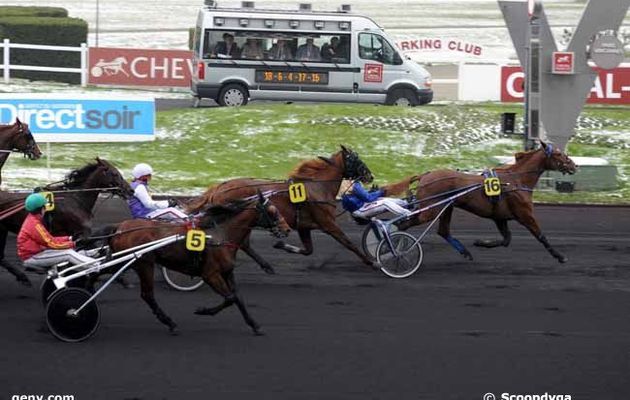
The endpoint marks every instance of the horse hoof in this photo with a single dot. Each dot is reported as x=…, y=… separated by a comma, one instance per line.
x=468, y=256
x=25, y=282
x=174, y=331
x=563, y=259
x=279, y=245
x=201, y=311
x=269, y=270
x=480, y=243
x=258, y=332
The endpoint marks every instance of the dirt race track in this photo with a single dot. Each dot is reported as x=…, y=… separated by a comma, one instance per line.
x=512, y=321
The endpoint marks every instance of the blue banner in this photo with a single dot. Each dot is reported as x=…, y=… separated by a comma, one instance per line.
x=80, y=118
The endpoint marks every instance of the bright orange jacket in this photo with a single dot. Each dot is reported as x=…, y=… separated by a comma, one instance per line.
x=35, y=238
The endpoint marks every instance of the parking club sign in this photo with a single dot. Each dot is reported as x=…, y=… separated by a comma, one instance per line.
x=81, y=118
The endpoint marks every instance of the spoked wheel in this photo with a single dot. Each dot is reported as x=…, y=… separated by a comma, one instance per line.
x=183, y=282
x=372, y=236
x=62, y=321
x=401, y=259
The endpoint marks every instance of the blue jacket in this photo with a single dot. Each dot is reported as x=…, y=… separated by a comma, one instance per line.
x=359, y=197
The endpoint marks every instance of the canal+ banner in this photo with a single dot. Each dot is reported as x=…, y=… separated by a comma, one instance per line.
x=81, y=118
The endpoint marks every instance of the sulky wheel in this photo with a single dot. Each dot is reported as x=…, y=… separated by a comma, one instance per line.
x=63, y=323
x=401, y=259
x=372, y=237
x=183, y=282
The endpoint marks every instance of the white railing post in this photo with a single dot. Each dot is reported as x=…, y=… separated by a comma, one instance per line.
x=7, y=62
x=84, y=65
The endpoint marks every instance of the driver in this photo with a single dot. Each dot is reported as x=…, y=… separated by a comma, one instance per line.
x=142, y=204
x=36, y=247
x=365, y=204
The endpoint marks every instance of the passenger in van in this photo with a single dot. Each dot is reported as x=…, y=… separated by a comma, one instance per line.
x=280, y=51
x=252, y=50
x=308, y=51
x=329, y=50
x=343, y=50
x=227, y=48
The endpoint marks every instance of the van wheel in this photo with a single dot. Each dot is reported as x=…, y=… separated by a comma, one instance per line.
x=402, y=98
x=233, y=95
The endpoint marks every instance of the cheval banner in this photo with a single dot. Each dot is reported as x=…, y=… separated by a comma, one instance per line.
x=611, y=86
x=139, y=67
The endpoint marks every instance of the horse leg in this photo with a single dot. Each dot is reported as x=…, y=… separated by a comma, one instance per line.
x=502, y=225
x=145, y=274
x=19, y=275
x=225, y=285
x=238, y=300
x=444, y=230
x=256, y=257
x=305, y=238
x=330, y=227
x=528, y=221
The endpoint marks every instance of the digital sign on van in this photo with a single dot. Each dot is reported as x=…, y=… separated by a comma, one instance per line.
x=295, y=77
x=81, y=118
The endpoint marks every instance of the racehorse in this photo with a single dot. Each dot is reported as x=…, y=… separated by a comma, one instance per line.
x=75, y=197
x=17, y=138
x=514, y=203
x=228, y=224
x=321, y=178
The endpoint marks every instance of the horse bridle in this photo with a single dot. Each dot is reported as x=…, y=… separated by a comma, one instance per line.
x=353, y=165
x=562, y=166
x=29, y=151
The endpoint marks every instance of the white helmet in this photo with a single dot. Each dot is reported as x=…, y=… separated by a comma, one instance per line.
x=141, y=169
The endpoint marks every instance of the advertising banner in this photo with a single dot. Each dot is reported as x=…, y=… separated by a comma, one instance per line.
x=611, y=86
x=139, y=67
x=59, y=118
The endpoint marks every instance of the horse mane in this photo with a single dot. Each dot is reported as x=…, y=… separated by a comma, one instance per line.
x=198, y=203
x=220, y=213
x=518, y=157
x=77, y=177
x=309, y=169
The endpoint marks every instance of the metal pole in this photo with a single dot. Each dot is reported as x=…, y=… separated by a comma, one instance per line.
x=84, y=64
x=533, y=77
x=48, y=160
x=7, y=61
x=97, y=12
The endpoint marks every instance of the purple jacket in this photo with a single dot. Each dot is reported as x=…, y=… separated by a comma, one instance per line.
x=138, y=210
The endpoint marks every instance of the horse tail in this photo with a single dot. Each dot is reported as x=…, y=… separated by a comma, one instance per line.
x=397, y=188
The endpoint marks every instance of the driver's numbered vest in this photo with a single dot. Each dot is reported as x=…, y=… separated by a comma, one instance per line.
x=138, y=210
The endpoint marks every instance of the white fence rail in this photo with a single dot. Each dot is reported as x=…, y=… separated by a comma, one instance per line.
x=7, y=66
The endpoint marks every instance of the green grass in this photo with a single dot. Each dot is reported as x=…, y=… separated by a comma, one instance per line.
x=199, y=147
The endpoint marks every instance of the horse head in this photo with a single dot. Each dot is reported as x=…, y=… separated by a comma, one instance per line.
x=100, y=174
x=24, y=142
x=556, y=160
x=354, y=167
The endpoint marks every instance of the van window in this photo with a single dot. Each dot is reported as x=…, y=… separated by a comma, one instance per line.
x=375, y=47
x=277, y=46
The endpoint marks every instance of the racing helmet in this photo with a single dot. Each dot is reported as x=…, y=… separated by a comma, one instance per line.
x=34, y=202
x=141, y=169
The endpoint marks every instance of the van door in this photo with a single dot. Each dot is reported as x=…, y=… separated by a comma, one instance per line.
x=380, y=65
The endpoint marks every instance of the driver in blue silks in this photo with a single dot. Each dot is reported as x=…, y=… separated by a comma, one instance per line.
x=365, y=204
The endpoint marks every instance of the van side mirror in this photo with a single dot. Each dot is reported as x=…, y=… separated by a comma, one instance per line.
x=397, y=59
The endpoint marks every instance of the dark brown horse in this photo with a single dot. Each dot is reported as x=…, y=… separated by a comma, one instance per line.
x=228, y=224
x=75, y=198
x=321, y=178
x=17, y=138
x=515, y=202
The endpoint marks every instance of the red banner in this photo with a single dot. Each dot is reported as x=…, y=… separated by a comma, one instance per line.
x=139, y=67
x=611, y=86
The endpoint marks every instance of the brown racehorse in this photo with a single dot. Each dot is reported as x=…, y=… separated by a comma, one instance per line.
x=321, y=178
x=17, y=138
x=75, y=198
x=232, y=224
x=515, y=202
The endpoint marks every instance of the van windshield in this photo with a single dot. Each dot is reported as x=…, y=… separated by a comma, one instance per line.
x=277, y=46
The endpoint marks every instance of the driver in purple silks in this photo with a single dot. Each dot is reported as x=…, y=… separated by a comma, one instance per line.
x=142, y=204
